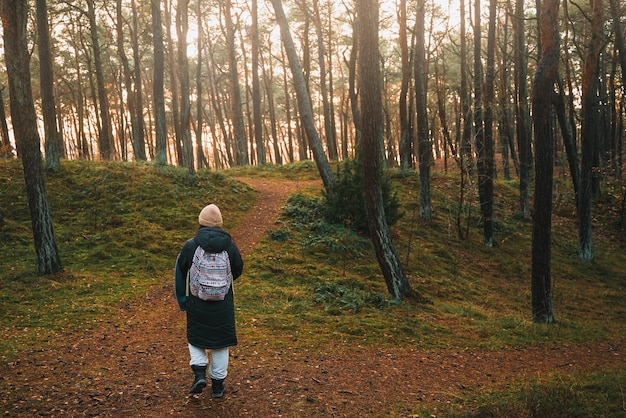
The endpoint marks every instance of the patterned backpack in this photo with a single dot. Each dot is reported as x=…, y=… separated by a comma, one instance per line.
x=210, y=276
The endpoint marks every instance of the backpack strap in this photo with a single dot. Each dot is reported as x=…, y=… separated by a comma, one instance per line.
x=187, y=285
x=187, y=292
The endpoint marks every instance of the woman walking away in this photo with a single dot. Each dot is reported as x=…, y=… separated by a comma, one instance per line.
x=205, y=269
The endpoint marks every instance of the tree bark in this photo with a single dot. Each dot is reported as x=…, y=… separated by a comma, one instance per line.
x=479, y=124
x=201, y=160
x=173, y=72
x=6, y=150
x=371, y=105
x=568, y=137
x=521, y=110
x=158, y=89
x=423, y=141
x=331, y=141
x=352, y=88
x=287, y=94
x=105, y=140
x=620, y=43
x=139, y=137
x=52, y=141
x=256, y=85
x=268, y=77
x=589, y=133
x=486, y=165
x=443, y=119
x=466, y=142
x=507, y=137
x=182, y=27
x=14, y=15
x=84, y=152
x=406, y=152
x=332, y=126
x=219, y=116
x=304, y=99
x=130, y=93
x=239, y=128
x=543, y=89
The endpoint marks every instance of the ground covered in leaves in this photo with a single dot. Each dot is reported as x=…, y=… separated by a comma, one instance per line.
x=137, y=364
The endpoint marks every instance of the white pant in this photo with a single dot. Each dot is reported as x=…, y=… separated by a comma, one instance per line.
x=219, y=360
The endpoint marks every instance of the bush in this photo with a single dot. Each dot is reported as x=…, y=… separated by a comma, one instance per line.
x=303, y=211
x=345, y=200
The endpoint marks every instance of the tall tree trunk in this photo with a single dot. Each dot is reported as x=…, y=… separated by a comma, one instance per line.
x=423, y=141
x=304, y=99
x=219, y=116
x=466, y=157
x=589, y=133
x=479, y=124
x=332, y=126
x=568, y=137
x=138, y=90
x=201, y=160
x=466, y=137
x=105, y=140
x=6, y=150
x=486, y=153
x=120, y=134
x=565, y=110
x=621, y=47
x=182, y=27
x=268, y=77
x=521, y=109
x=14, y=15
x=507, y=136
x=287, y=93
x=543, y=89
x=130, y=94
x=371, y=105
x=174, y=75
x=441, y=110
x=352, y=88
x=239, y=128
x=53, y=141
x=158, y=90
x=331, y=141
x=84, y=152
x=256, y=85
x=303, y=141
x=406, y=152
x=619, y=38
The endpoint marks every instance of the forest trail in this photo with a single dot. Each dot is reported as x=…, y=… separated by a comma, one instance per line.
x=137, y=364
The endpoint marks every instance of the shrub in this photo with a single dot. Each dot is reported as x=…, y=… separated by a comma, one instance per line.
x=345, y=200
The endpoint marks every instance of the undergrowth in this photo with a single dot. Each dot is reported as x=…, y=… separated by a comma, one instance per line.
x=118, y=227
x=555, y=395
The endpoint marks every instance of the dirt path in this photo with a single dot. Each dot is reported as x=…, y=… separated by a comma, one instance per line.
x=137, y=365
x=271, y=197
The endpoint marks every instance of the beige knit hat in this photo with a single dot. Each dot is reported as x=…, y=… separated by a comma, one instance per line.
x=210, y=216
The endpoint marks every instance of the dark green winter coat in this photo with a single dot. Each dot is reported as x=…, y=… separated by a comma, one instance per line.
x=210, y=324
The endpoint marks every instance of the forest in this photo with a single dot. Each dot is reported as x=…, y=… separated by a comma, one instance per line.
x=504, y=89
x=466, y=152
x=211, y=84
x=534, y=88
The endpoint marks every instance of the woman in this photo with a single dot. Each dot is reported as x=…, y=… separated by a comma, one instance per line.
x=210, y=323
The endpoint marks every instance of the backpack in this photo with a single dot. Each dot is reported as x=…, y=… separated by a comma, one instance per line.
x=210, y=276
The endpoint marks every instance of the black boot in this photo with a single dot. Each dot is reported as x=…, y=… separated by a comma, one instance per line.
x=199, y=382
x=218, y=387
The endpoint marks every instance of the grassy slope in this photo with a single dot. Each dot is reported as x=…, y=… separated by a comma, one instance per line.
x=119, y=227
